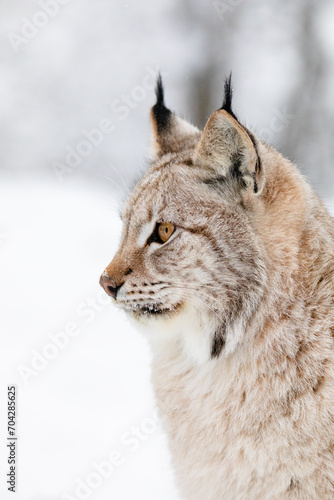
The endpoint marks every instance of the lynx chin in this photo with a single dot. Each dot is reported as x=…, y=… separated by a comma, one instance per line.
x=226, y=261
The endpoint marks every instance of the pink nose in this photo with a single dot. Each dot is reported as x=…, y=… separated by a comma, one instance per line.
x=109, y=286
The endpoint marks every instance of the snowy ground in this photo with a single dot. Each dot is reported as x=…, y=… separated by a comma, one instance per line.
x=88, y=401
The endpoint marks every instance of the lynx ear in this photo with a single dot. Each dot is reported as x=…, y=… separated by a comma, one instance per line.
x=171, y=134
x=227, y=148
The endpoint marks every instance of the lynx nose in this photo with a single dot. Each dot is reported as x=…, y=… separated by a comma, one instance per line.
x=109, y=286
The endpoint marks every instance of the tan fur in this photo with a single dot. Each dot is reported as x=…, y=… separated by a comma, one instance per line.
x=255, y=421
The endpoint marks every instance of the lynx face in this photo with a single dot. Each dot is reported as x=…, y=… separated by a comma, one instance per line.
x=189, y=257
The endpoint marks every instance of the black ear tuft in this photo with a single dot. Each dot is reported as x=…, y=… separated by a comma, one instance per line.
x=161, y=114
x=228, y=95
x=159, y=91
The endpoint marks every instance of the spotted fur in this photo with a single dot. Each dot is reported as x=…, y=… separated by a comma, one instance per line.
x=238, y=307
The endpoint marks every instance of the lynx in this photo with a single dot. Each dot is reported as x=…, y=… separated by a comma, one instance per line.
x=226, y=261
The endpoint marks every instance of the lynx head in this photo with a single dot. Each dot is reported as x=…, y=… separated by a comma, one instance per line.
x=189, y=263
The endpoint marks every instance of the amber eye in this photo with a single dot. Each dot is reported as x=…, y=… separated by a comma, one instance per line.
x=165, y=231
x=162, y=232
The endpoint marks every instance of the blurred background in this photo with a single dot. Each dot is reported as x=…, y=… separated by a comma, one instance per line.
x=77, y=83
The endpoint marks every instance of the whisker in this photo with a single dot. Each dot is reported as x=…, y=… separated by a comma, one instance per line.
x=112, y=181
x=116, y=170
x=200, y=301
x=185, y=291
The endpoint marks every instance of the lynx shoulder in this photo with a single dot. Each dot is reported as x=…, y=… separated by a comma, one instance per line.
x=226, y=261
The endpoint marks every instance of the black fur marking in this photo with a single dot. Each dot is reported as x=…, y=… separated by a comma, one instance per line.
x=258, y=159
x=228, y=95
x=161, y=114
x=217, y=183
x=235, y=171
x=294, y=483
x=235, y=167
x=256, y=189
x=218, y=342
x=213, y=181
x=258, y=165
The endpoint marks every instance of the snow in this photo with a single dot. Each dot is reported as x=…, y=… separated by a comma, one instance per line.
x=92, y=402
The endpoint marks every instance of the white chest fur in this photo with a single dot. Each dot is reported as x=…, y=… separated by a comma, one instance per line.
x=226, y=441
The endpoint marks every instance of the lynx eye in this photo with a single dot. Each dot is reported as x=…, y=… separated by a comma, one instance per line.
x=165, y=231
x=162, y=232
